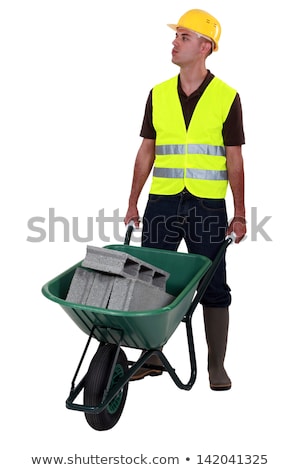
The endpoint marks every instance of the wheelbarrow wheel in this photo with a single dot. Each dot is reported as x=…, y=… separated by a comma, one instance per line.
x=95, y=385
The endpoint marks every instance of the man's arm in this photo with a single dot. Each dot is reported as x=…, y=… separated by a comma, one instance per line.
x=235, y=168
x=142, y=168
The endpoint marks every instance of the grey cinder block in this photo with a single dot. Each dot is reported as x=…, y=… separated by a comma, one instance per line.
x=110, y=261
x=123, y=264
x=100, y=290
x=135, y=295
x=90, y=288
x=80, y=286
x=117, y=281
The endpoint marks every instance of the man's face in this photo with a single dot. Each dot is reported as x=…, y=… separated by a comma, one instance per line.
x=187, y=47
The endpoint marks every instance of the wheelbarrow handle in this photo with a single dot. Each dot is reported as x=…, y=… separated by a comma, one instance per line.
x=129, y=229
x=231, y=237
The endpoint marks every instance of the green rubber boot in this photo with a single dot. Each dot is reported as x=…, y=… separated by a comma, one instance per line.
x=216, y=322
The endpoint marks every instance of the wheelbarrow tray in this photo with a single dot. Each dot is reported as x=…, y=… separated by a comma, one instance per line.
x=147, y=329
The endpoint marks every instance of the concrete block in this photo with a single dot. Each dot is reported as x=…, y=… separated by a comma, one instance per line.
x=135, y=295
x=100, y=290
x=90, y=288
x=110, y=261
x=115, y=280
x=80, y=286
x=125, y=265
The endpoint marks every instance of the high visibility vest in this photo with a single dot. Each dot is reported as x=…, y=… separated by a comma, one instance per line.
x=192, y=158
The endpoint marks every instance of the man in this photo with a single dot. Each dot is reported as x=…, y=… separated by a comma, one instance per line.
x=192, y=136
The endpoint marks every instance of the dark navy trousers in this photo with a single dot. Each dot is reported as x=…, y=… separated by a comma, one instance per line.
x=201, y=223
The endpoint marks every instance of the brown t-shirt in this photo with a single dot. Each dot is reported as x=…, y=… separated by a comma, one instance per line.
x=233, y=131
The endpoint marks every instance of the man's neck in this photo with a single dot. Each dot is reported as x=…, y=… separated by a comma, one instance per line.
x=191, y=79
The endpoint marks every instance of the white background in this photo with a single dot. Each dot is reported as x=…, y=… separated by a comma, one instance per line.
x=75, y=76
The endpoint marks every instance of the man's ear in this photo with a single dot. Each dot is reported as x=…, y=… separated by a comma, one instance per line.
x=206, y=47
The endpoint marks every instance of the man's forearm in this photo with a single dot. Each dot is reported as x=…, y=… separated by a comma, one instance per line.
x=235, y=169
x=142, y=168
x=141, y=172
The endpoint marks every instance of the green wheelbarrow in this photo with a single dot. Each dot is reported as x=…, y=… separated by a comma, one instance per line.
x=105, y=384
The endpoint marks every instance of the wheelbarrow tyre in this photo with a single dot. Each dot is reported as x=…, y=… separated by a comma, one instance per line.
x=95, y=385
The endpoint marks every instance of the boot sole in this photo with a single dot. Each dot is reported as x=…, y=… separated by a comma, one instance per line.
x=142, y=375
x=220, y=388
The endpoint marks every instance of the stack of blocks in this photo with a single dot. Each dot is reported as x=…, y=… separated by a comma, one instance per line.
x=118, y=281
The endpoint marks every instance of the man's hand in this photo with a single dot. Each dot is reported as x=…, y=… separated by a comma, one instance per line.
x=132, y=215
x=238, y=226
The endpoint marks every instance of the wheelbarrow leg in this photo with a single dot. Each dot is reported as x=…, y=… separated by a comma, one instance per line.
x=164, y=364
x=192, y=355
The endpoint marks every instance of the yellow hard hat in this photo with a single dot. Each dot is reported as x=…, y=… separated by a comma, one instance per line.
x=202, y=23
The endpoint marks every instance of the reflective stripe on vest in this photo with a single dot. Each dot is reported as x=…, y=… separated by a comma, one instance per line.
x=197, y=149
x=193, y=173
x=168, y=172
